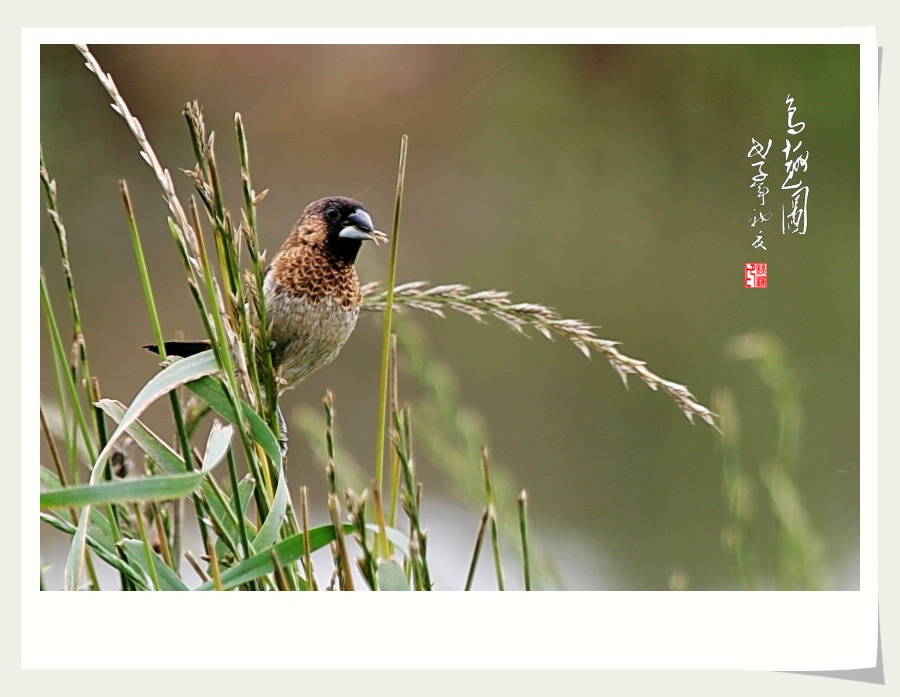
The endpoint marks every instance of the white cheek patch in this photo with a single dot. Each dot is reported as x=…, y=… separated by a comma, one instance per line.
x=352, y=232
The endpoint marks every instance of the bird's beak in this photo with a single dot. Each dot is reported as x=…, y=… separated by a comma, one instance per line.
x=359, y=227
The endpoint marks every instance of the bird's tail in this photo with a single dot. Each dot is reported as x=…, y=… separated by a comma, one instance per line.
x=181, y=348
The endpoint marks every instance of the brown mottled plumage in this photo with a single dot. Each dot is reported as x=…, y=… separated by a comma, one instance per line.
x=311, y=289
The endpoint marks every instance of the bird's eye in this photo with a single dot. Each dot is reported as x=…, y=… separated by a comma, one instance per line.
x=332, y=213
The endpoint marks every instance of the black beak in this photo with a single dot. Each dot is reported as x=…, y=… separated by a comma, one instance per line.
x=358, y=226
x=361, y=220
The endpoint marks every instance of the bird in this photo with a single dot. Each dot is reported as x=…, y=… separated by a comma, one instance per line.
x=311, y=288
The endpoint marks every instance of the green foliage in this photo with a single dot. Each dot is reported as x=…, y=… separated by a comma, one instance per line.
x=798, y=548
x=252, y=537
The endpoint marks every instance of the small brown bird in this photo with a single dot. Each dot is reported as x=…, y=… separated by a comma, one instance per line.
x=311, y=289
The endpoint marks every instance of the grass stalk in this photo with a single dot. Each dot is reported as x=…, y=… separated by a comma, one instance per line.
x=214, y=568
x=479, y=540
x=156, y=514
x=60, y=352
x=190, y=245
x=280, y=579
x=382, y=544
x=411, y=499
x=142, y=269
x=307, y=551
x=221, y=345
x=798, y=548
x=54, y=452
x=367, y=564
x=148, y=550
x=67, y=421
x=342, y=555
x=738, y=533
x=207, y=182
x=236, y=500
x=492, y=518
x=394, y=411
x=260, y=354
x=174, y=399
x=62, y=240
x=204, y=577
x=61, y=473
x=386, y=339
x=519, y=316
x=112, y=511
x=523, y=526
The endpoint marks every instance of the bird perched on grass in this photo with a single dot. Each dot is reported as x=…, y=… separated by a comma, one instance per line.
x=311, y=289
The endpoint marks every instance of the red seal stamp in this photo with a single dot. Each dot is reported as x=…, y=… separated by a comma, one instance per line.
x=756, y=275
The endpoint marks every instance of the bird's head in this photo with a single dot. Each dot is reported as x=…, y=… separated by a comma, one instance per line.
x=337, y=224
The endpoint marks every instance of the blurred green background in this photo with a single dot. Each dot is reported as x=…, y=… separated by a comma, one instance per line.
x=611, y=183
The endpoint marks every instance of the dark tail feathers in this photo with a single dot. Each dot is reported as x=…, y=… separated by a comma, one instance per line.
x=181, y=348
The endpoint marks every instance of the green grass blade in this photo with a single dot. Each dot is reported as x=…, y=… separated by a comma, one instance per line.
x=168, y=581
x=156, y=449
x=163, y=487
x=61, y=522
x=391, y=577
x=100, y=530
x=223, y=512
x=396, y=537
x=386, y=334
x=75, y=557
x=212, y=392
x=217, y=445
x=268, y=533
x=162, y=383
x=288, y=551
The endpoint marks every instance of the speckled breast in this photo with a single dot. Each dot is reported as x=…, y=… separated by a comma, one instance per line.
x=306, y=332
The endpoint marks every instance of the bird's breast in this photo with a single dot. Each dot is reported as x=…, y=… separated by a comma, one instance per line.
x=306, y=330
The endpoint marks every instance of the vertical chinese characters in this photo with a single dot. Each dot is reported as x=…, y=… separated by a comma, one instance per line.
x=759, y=183
x=794, y=216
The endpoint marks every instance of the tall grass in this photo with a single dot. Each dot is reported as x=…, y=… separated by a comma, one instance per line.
x=252, y=535
x=767, y=497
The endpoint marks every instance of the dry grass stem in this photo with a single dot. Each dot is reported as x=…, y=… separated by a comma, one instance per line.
x=520, y=316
